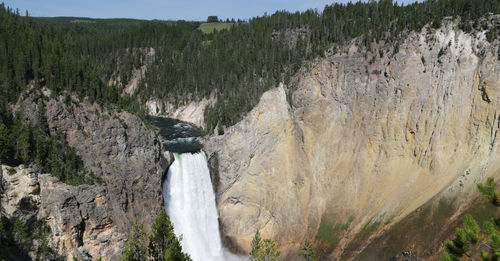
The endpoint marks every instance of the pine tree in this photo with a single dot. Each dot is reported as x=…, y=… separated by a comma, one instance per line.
x=135, y=248
x=307, y=251
x=264, y=249
x=489, y=190
x=471, y=228
x=163, y=244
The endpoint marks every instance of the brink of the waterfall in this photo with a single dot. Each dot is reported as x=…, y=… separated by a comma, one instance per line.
x=178, y=136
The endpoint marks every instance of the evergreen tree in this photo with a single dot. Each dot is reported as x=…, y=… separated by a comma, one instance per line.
x=489, y=190
x=307, y=251
x=447, y=257
x=470, y=234
x=20, y=231
x=163, y=244
x=264, y=249
x=135, y=248
x=471, y=228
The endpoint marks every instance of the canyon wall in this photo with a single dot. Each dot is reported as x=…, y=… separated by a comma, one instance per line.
x=90, y=221
x=370, y=137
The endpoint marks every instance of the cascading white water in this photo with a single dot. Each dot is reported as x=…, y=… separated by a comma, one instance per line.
x=190, y=204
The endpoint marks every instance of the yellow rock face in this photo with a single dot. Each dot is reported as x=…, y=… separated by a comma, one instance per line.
x=363, y=145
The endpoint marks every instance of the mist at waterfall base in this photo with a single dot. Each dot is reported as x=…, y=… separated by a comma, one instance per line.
x=188, y=193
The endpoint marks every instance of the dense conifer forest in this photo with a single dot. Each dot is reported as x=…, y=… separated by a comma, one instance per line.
x=239, y=64
x=81, y=56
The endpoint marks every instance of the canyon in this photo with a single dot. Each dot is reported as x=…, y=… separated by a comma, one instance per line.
x=363, y=145
x=362, y=142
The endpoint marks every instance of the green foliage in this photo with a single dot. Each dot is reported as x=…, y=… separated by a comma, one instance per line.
x=18, y=238
x=212, y=19
x=327, y=233
x=238, y=70
x=471, y=233
x=483, y=255
x=256, y=244
x=5, y=141
x=264, y=249
x=25, y=143
x=75, y=57
x=491, y=35
x=495, y=242
x=489, y=228
x=11, y=171
x=471, y=228
x=441, y=52
x=459, y=245
x=489, y=190
x=330, y=231
x=448, y=257
x=307, y=251
x=135, y=248
x=370, y=226
x=81, y=55
x=163, y=244
x=44, y=252
x=436, y=23
x=20, y=231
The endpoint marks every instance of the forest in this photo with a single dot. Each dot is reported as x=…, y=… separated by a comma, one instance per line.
x=82, y=56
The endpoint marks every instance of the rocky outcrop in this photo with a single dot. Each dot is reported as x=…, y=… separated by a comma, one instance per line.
x=87, y=221
x=192, y=112
x=19, y=201
x=78, y=217
x=365, y=143
x=80, y=220
x=21, y=196
x=263, y=175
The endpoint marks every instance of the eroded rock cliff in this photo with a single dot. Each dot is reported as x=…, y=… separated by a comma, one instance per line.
x=92, y=221
x=369, y=139
x=192, y=112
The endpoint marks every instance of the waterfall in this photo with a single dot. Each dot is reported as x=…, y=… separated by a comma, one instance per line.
x=190, y=204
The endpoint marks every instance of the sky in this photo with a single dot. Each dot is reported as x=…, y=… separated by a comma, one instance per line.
x=197, y=10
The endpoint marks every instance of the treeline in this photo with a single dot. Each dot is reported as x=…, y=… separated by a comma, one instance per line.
x=236, y=65
x=79, y=58
x=239, y=64
x=75, y=57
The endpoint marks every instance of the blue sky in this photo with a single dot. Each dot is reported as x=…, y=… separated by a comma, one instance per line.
x=165, y=9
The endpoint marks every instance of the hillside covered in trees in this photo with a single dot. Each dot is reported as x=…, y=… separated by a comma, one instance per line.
x=237, y=65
